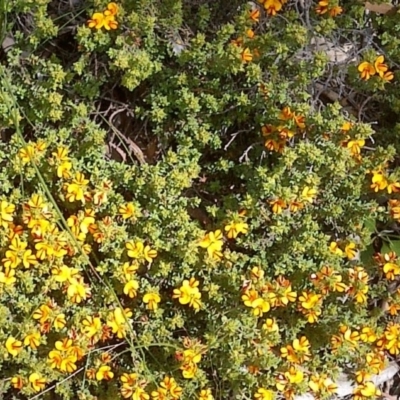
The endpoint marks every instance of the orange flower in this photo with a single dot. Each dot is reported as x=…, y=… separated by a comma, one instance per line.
x=110, y=22
x=255, y=15
x=246, y=55
x=97, y=21
x=388, y=76
x=278, y=205
x=112, y=9
x=367, y=70
x=273, y=6
x=380, y=67
x=335, y=11
x=322, y=7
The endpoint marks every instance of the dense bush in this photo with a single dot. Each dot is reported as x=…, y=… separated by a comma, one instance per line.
x=183, y=213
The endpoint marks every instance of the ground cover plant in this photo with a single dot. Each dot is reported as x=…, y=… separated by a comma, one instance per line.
x=198, y=200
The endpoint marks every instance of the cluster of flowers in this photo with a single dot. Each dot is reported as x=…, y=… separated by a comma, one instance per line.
x=105, y=19
x=262, y=296
x=380, y=181
x=368, y=69
x=39, y=243
x=277, y=136
x=296, y=204
x=214, y=241
x=190, y=357
x=247, y=55
x=353, y=144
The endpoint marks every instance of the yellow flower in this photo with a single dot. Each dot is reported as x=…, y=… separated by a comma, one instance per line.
x=135, y=249
x=37, y=381
x=170, y=385
x=32, y=340
x=213, y=242
x=191, y=356
x=249, y=296
x=189, y=293
x=355, y=146
x=128, y=379
x=234, y=228
x=367, y=389
x=76, y=189
x=78, y=290
x=129, y=270
x=264, y=394
x=127, y=211
x=260, y=306
x=308, y=194
x=117, y=321
x=61, y=154
x=131, y=287
x=257, y=273
x=295, y=206
x=8, y=277
x=310, y=306
x=149, y=254
x=42, y=313
x=368, y=335
x=351, y=251
x=28, y=259
x=151, y=300
x=59, y=322
x=6, y=211
x=112, y=9
x=27, y=153
x=206, y=394
x=139, y=251
x=97, y=21
x=294, y=375
x=104, y=373
x=391, y=270
x=91, y=326
x=109, y=22
x=246, y=55
x=64, y=345
x=380, y=66
x=309, y=300
x=140, y=394
x=55, y=359
x=393, y=187
x=17, y=382
x=270, y=325
x=68, y=363
x=13, y=346
x=64, y=165
x=367, y=70
x=188, y=370
x=379, y=181
x=65, y=274
x=321, y=383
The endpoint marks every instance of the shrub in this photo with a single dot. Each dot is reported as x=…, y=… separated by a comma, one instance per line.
x=181, y=216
